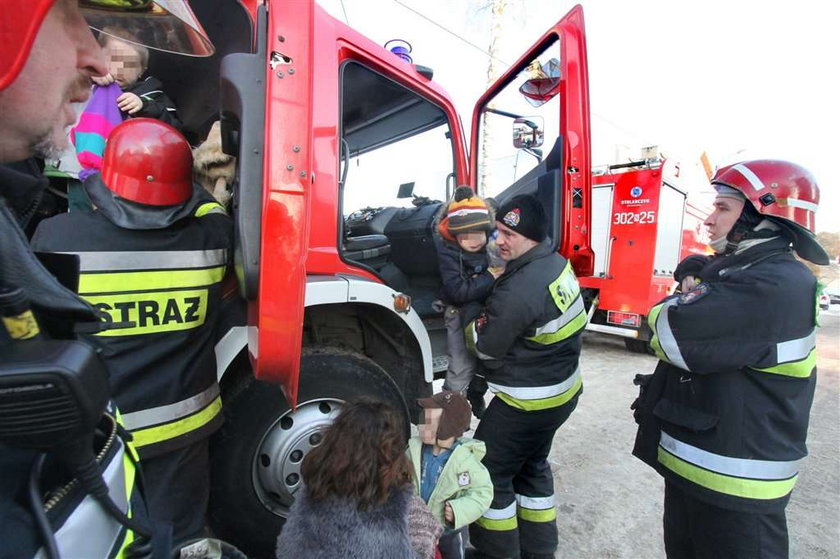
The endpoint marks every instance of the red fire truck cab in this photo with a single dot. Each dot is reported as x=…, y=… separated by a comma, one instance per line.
x=345, y=154
x=645, y=219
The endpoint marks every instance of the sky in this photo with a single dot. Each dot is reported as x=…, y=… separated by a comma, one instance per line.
x=738, y=79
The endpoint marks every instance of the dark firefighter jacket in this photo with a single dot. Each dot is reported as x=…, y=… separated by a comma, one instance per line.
x=156, y=104
x=463, y=274
x=157, y=273
x=726, y=416
x=528, y=333
x=76, y=519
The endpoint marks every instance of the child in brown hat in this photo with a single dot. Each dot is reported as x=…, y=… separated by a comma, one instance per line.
x=448, y=473
x=466, y=277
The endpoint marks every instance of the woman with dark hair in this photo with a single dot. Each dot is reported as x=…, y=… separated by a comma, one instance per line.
x=357, y=494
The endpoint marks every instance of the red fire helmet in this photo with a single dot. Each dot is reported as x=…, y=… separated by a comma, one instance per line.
x=149, y=162
x=166, y=25
x=783, y=191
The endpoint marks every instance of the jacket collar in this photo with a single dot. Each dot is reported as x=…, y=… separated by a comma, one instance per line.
x=725, y=265
x=540, y=251
x=129, y=215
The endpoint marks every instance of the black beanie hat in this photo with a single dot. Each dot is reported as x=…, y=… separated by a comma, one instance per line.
x=525, y=215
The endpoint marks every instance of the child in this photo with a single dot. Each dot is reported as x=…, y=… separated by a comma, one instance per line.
x=448, y=474
x=466, y=277
x=115, y=96
x=127, y=65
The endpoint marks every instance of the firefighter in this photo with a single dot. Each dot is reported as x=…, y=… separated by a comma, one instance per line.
x=725, y=416
x=529, y=336
x=48, y=58
x=152, y=256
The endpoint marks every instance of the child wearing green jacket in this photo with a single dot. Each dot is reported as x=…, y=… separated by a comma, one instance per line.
x=448, y=473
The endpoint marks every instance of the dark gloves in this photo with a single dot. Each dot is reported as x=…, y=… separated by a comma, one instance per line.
x=690, y=266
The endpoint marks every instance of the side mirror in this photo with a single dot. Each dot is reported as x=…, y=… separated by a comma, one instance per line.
x=528, y=133
x=406, y=190
x=543, y=84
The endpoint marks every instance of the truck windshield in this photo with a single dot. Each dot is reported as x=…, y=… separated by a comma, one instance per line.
x=390, y=136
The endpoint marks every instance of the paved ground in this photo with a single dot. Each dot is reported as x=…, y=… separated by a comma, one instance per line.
x=610, y=504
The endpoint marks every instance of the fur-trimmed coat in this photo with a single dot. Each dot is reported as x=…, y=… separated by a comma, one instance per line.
x=336, y=528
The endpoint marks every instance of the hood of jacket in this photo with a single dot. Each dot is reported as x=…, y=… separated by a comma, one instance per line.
x=129, y=215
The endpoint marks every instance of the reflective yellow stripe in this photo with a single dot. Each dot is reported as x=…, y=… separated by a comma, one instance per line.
x=565, y=289
x=502, y=525
x=654, y=341
x=152, y=313
x=115, y=282
x=565, y=292
x=738, y=487
x=542, y=403
x=209, y=207
x=576, y=325
x=168, y=431
x=130, y=473
x=798, y=369
x=533, y=515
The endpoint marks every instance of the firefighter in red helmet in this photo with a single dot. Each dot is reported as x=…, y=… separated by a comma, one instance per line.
x=48, y=55
x=724, y=417
x=152, y=255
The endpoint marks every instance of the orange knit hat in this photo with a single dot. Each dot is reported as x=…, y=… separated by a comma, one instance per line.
x=467, y=213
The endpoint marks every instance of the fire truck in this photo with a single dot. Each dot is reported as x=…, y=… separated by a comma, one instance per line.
x=645, y=219
x=345, y=153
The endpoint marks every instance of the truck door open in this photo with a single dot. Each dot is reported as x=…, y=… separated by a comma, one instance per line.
x=267, y=123
x=542, y=102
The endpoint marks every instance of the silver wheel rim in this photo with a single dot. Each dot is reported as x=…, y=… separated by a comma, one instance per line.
x=276, y=467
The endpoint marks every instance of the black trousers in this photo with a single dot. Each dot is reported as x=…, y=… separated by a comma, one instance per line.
x=522, y=516
x=697, y=530
x=178, y=489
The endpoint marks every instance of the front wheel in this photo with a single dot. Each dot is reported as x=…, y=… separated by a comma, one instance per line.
x=256, y=456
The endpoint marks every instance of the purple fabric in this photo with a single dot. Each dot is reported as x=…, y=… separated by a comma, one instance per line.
x=89, y=136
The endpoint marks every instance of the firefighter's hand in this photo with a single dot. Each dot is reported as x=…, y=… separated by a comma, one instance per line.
x=688, y=283
x=102, y=80
x=496, y=271
x=448, y=515
x=129, y=103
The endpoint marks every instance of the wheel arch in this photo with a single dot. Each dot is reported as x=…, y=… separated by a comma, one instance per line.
x=349, y=312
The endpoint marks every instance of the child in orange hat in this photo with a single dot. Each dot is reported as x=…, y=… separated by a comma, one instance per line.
x=467, y=277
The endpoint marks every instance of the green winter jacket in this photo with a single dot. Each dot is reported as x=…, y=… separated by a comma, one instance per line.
x=464, y=482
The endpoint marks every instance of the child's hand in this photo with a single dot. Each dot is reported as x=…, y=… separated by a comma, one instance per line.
x=102, y=80
x=448, y=515
x=129, y=103
x=496, y=271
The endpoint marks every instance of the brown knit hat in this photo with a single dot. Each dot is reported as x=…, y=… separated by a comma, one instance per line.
x=456, y=413
x=467, y=213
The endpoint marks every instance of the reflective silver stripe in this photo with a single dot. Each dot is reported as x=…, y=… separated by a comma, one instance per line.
x=536, y=392
x=750, y=176
x=501, y=514
x=726, y=465
x=569, y=315
x=482, y=356
x=112, y=261
x=89, y=531
x=796, y=350
x=666, y=337
x=797, y=203
x=535, y=503
x=170, y=412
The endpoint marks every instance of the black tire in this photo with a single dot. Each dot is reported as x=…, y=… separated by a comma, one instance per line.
x=637, y=346
x=262, y=441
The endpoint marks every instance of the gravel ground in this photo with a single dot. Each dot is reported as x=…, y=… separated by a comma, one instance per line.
x=610, y=504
